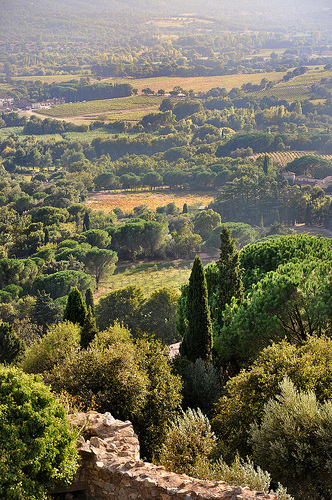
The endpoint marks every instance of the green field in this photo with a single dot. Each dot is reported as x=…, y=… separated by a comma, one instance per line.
x=152, y=276
x=91, y=109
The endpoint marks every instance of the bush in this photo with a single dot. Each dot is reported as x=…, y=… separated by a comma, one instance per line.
x=11, y=347
x=294, y=442
x=60, y=341
x=308, y=366
x=189, y=439
x=37, y=447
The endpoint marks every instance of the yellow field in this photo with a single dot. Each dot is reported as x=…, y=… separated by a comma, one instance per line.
x=198, y=83
x=128, y=200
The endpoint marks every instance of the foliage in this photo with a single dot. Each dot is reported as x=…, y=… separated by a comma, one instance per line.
x=60, y=341
x=262, y=257
x=189, y=439
x=201, y=386
x=75, y=310
x=293, y=302
x=159, y=315
x=46, y=311
x=89, y=329
x=60, y=283
x=293, y=441
x=228, y=279
x=240, y=472
x=307, y=366
x=11, y=346
x=121, y=306
x=197, y=340
x=162, y=400
x=38, y=449
x=100, y=263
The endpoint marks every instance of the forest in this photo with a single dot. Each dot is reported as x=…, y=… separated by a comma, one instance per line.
x=229, y=125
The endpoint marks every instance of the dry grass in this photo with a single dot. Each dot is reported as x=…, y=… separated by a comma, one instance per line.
x=198, y=83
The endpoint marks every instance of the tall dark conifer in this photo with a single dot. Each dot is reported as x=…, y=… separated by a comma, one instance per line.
x=265, y=164
x=229, y=277
x=10, y=345
x=89, y=301
x=89, y=330
x=75, y=310
x=197, y=340
x=86, y=222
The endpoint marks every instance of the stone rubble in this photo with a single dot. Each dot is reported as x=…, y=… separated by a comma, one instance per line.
x=111, y=468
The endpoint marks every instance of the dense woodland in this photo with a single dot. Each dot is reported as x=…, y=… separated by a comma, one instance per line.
x=248, y=398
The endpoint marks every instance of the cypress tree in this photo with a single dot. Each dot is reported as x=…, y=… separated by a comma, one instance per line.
x=75, y=310
x=89, y=329
x=229, y=277
x=89, y=301
x=11, y=346
x=86, y=222
x=46, y=236
x=197, y=341
x=185, y=208
x=265, y=165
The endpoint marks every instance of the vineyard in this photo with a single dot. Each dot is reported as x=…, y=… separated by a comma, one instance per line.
x=127, y=200
x=91, y=109
x=282, y=158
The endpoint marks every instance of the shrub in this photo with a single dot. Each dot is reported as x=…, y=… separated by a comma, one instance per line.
x=189, y=439
x=61, y=340
x=294, y=442
x=37, y=447
x=11, y=347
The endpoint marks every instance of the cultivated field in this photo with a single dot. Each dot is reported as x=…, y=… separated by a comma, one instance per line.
x=198, y=83
x=284, y=157
x=127, y=200
x=92, y=109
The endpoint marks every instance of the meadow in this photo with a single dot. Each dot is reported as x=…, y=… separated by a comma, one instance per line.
x=151, y=276
x=127, y=200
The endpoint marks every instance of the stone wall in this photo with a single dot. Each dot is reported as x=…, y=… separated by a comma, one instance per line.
x=111, y=469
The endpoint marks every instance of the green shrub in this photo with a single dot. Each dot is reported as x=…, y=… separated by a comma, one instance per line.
x=189, y=439
x=294, y=442
x=37, y=447
x=60, y=341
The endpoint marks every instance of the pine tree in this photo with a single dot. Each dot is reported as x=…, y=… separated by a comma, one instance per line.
x=197, y=341
x=229, y=277
x=10, y=345
x=75, y=309
x=89, y=329
x=86, y=222
x=89, y=302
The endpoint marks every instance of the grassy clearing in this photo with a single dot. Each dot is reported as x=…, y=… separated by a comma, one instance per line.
x=127, y=200
x=92, y=108
x=151, y=276
x=198, y=83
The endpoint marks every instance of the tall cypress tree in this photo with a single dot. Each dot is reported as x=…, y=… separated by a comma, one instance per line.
x=86, y=222
x=229, y=277
x=89, y=330
x=89, y=301
x=197, y=341
x=75, y=310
